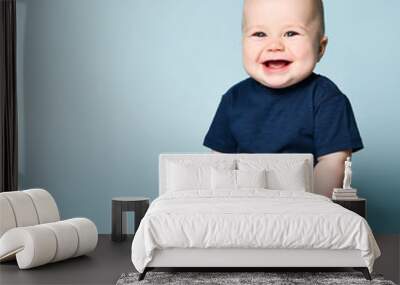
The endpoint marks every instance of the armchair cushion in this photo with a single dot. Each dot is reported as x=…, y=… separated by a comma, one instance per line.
x=37, y=245
x=32, y=233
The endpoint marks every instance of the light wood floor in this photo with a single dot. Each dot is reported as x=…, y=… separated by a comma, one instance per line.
x=110, y=260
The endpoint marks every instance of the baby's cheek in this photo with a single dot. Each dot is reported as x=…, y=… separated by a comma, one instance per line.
x=250, y=67
x=249, y=54
x=302, y=48
x=250, y=61
x=302, y=52
x=252, y=50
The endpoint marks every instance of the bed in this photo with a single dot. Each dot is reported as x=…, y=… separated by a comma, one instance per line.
x=245, y=211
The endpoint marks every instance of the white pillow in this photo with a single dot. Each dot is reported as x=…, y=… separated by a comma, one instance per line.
x=291, y=174
x=189, y=175
x=251, y=178
x=223, y=179
x=186, y=177
x=237, y=179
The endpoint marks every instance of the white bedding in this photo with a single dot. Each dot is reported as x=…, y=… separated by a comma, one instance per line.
x=250, y=218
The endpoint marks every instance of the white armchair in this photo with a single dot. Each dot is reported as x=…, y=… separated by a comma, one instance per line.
x=31, y=230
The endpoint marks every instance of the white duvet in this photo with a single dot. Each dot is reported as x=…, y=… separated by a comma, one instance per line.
x=250, y=219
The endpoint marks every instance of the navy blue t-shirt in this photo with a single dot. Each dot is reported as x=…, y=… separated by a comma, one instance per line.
x=312, y=116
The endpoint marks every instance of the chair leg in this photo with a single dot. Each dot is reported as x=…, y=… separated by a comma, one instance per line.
x=143, y=274
x=364, y=271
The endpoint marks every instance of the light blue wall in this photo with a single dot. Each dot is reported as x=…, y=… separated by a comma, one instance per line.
x=105, y=86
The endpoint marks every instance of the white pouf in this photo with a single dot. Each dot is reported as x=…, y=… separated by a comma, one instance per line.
x=31, y=232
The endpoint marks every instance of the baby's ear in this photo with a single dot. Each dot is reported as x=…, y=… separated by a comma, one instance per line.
x=322, y=47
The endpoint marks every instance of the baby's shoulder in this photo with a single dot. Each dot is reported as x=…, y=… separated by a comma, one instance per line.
x=241, y=90
x=327, y=91
x=245, y=86
x=325, y=85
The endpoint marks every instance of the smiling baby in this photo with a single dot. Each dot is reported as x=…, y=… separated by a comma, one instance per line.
x=284, y=107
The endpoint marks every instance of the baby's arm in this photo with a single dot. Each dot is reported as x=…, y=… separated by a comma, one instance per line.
x=329, y=172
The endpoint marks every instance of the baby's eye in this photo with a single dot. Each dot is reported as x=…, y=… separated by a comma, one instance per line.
x=291, y=34
x=259, y=34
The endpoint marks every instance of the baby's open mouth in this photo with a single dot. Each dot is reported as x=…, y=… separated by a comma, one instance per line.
x=277, y=64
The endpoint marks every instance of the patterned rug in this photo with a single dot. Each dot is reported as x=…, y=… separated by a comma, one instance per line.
x=244, y=278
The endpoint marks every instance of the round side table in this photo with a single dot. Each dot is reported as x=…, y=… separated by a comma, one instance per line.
x=121, y=205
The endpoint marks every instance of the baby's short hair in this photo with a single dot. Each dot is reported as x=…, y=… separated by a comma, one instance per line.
x=319, y=4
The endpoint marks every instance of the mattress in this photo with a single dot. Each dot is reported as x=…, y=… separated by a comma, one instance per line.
x=250, y=219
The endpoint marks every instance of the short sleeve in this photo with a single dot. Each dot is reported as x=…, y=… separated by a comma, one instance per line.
x=219, y=136
x=335, y=127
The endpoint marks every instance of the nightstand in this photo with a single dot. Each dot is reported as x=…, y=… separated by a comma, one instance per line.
x=121, y=205
x=358, y=206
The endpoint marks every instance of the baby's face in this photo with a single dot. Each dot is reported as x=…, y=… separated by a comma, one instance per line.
x=282, y=40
